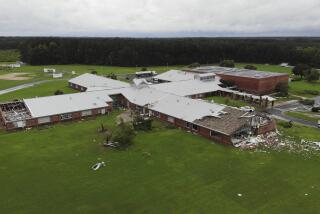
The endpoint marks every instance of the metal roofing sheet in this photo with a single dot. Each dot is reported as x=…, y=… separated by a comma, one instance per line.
x=94, y=81
x=60, y=104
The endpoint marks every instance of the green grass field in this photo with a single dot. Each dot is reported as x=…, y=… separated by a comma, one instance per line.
x=266, y=67
x=48, y=171
x=44, y=89
x=37, y=72
x=303, y=116
x=299, y=132
x=227, y=101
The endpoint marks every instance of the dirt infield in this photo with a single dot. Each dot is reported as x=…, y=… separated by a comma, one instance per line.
x=14, y=76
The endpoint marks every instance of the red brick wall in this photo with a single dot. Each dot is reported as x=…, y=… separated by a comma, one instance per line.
x=267, y=128
x=256, y=86
x=220, y=139
x=32, y=122
x=55, y=118
x=76, y=115
x=10, y=126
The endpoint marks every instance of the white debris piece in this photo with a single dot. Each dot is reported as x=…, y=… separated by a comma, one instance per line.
x=97, y=166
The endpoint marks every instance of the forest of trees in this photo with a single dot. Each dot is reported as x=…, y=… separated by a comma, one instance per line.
x=163, y=51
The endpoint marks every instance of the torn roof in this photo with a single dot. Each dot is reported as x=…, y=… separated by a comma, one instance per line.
x=228, y=123
x=61, y=104
x=91, y=81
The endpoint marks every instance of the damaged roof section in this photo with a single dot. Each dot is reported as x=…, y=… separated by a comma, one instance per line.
x=229, y=122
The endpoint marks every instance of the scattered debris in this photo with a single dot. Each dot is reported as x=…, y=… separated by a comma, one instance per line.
x=97, y=166
x=275, y=141
x=111, y=144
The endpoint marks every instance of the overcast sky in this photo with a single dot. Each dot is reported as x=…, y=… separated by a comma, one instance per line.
x=160, y=18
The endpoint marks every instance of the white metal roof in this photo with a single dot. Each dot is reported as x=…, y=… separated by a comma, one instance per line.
x=190, y=87
x=175, y=75
x=186, y=108
x=176, y=106
x=60, y=104
x=92, y=81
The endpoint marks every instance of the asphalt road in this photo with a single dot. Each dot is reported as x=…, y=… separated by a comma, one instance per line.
x=278, y=112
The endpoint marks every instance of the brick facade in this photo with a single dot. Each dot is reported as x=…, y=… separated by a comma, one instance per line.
x=258, y=86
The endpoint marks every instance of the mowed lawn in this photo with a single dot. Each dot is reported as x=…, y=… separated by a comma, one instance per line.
x=36, y=72
x=48, y=171
x=41, y=90
x=227, y=101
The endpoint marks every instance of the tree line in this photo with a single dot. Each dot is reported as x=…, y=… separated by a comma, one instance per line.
x=163, y=51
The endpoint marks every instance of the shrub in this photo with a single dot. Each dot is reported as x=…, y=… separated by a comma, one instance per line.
x=282, y=88
x=194, y=65
x=250, y=67
x=227, y=83
x=288, y=125
x=144, y=69
x=58, y=92
x=123, y=135
x=140, y=123
x=227, y=63
x=94, y=72
x=112, y=76
x=301, y=70
x=313, y=75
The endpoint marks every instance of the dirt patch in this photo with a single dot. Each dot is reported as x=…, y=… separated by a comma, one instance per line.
x=14, y=76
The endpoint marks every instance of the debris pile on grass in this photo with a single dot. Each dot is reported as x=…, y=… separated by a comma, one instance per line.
x=275, y=141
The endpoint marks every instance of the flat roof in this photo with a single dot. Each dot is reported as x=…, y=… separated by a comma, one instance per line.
x=61, y=104
x=237, y=72
x=174, y=76
x=189, y=87
x=185, y=108
x=92, y=81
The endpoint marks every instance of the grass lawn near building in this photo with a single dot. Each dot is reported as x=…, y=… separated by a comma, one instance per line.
x=37, y=72
x=299, y=132
x=227, y=101
x=41, y=90
x=48, y=171
x=301, y=87
x=267, y=67
x=303, y=116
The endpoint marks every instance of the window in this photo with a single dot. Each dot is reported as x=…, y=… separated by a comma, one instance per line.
x=44, y=120
x=86, y=113
x=156, y=114
x=188, y=125
x=66, y=116
x=214, y=133
x=194, y=127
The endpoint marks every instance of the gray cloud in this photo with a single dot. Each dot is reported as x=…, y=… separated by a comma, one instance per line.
x=160, y=17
